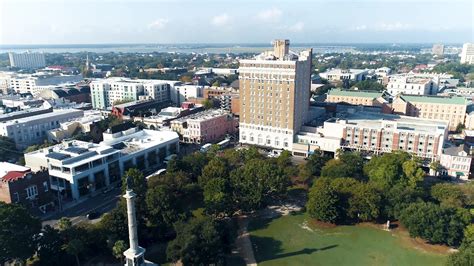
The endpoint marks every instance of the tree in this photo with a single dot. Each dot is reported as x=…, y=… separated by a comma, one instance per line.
x=398, y=198
x=366, y=202
x=449, y=195
x=208, y=104
x=387, y=170
x=8, y=149
x=197, y=242
x=459, y=128
x=323, y=202
x=218, y=196
x=348, y=164
x=315, y=163
x=118, y=249
x=64, y=224
x=438, y=225
x=413, y=173
x=256, y=181
x=465, y=256
x=74, y=247
x=163, y=208
x=114, y=224
x=436, y=167
x=139, y=186
x=18, y=234
x=368, y=85
x=335, y=168
x=50, y=247
x=216, y=168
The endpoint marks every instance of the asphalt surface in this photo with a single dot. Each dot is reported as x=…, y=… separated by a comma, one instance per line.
x=101, y=203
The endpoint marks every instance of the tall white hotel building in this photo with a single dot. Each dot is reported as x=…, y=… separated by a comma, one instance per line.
x=274, y=96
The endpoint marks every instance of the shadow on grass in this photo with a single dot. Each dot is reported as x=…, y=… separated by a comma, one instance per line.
x=267, y=249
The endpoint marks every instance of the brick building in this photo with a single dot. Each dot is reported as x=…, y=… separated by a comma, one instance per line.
x=18, y=184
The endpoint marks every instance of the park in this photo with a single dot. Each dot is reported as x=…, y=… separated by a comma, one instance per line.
x=296, y=239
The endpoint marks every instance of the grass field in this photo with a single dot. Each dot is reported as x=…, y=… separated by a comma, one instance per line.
x=289, y=240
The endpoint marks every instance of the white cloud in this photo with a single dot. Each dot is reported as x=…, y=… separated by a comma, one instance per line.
x=220, y=20
x=360, y=28
x=158, y=24
x=397, y=26
x=272, y=14
x=297, y=27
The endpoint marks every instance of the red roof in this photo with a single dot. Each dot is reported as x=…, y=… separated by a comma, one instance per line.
x=13, y=176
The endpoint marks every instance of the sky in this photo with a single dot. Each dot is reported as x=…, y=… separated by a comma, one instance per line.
x=235, y=21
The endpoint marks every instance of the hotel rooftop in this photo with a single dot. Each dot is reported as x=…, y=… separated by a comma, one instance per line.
x=379, y=121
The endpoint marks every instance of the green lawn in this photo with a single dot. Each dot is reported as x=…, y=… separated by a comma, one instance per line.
x=289, y=240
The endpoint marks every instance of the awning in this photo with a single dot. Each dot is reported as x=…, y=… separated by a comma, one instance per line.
x=459, y=173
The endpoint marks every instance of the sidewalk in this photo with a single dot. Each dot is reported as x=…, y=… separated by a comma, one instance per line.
x=243, y=243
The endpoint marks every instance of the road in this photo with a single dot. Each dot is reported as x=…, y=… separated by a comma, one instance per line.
x=101, y=203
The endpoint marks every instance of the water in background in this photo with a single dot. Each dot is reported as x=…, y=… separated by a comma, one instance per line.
x=182, y=48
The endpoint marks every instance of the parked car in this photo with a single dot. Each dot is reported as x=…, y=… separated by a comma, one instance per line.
x=93, y=215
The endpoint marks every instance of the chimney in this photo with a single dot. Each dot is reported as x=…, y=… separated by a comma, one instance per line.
x=281, y=48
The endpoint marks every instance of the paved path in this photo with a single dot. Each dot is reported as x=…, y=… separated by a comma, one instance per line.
x=243, y=243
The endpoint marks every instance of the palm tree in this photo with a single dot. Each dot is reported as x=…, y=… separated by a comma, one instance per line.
x=74, y=247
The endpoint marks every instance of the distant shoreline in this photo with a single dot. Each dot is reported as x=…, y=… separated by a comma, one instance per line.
x=206, y=47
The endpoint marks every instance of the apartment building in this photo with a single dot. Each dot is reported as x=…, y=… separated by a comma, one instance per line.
x=449, y=109
x=274, y=96
x=410, y=84
x=27, y=60
x=79, y=168
x=206, y=126
x=376, y=133
x=337, y=74
x=467, y=54
x=107, y=92
x=32, y=130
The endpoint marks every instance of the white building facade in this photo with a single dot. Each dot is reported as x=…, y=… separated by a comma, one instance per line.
x=80, y=168
x=33, y=130
x=467, y=53
x=106, y=92
x=274, y=96
x=27, y=60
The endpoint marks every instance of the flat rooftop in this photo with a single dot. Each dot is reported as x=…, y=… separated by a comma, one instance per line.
x=75, y=153
x=43, y=116
x=459, y=100
x=377, y=121
x=355, y=93
x=202, y=116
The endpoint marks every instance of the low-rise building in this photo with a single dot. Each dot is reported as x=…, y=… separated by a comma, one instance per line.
x=33, y=130
x=83, y=124
x=185, y=92
x=456, y=162
x=19, y=184
x=409, y=84
x=449, y=109
x=337, y=74
x=357, y=97
x=206, y=126
x=80, y=168
x=77, y=95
